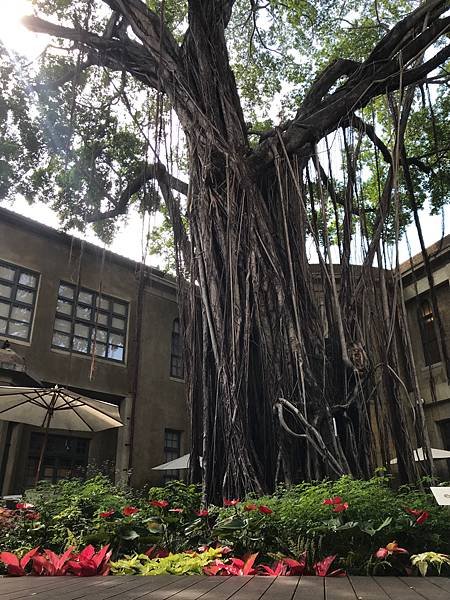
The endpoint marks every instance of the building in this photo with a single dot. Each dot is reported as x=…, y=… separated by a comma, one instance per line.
x=70, y=315
x=433, y=373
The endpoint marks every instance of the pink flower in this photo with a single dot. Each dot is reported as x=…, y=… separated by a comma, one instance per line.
x=340, y=507
x=227, y=502
x=335, y=500
x=250, y=507
x=33, y=515
x=128, y=511
x=202, y=513
x=24, y=506
x=265, y=510
x=389, y=550
x=421, y=515
x=107, y=513
x=159, y=503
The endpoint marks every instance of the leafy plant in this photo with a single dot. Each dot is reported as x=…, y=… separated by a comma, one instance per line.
x=16, y=566
x=184, y=563
x=430, y=559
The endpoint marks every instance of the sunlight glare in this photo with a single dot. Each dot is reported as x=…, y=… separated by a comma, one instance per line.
x=14, y=35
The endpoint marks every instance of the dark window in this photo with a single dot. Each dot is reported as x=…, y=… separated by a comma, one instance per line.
x=176, y=355
x=428, y=334
x=88, y=323
x=64, y=457
x=445, y=433
x=172, y=450
x=18, y=288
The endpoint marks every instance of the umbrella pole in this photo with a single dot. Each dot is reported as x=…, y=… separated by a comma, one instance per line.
x=43, y=448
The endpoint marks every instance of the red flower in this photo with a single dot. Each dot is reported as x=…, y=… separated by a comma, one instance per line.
x=33, y=515
x=335, y=500
x=129, y=510
x=107, y=513
x=176, y=510
x=250, y=507
x=265, y=510
x=337, y=508
x=227, y=502
x=24, y=505
x=421, y=515
x=202, y=513
x=389, y=550
x=159, y=503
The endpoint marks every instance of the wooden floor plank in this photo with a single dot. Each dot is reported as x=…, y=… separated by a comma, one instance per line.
x=310, y=588
x=255, y=589
x=339, y=588
x=426, y=588
x=442, y=582
x=396, y=589
x=120, y=588
x=150, y=592
x=228, y=588
x=200, y=589
x=21, y=583
x=283, y=588
x=367, y=588
x=59, y=585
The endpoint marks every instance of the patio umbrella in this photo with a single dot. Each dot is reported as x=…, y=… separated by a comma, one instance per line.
x=178, y=464
x=58, y=408
x=436, y=453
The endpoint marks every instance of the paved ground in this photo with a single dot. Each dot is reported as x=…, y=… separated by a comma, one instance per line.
x=224, y=588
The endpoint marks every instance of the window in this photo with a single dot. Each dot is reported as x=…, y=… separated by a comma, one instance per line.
x=88, y=323
x=428, y=334
x=18, y=289
x=64, y=457
x=172, y=450
x=176, y=356
x=445, y=433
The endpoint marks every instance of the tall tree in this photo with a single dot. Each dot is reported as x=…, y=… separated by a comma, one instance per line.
x=281, y=386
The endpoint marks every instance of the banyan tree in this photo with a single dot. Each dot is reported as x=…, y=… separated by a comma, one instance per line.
x=292, y=371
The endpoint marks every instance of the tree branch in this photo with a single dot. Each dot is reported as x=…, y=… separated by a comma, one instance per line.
x=148, y=172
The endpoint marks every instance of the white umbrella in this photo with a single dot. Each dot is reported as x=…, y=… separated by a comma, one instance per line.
x=436, y=453
x=58, y=407
x=178, y=464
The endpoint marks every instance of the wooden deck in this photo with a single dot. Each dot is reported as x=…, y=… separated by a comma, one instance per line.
x=224, y=588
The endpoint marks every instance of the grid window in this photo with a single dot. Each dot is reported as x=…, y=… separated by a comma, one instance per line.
x=430, y=342
x=176, y=355
x=18, y=289
x=90, y=324
x=172, y=450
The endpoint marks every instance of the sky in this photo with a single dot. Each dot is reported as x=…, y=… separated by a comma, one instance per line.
x=129, y=240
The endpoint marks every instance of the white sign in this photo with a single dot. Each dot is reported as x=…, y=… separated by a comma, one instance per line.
x=442, y=495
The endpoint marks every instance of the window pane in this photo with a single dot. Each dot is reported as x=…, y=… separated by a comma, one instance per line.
x=25, y=296
x=5, y=290
x=61, y=340
x=85, y=297
x=63, y=325
x=21, y=314
x=115, y=352
x=81, y=330
x=104, y=303
x=84, y=313
x=4, y=309
x=101, y=335
x=100, y=349
x=118, y=323
x=6, y=273
x=28, y=279
x=18, y=329
x=64, y=307
x=3, y=324
x=102, y=319
x=80, y=345
x=65, y=291
x=116, y=339
x=120, y=309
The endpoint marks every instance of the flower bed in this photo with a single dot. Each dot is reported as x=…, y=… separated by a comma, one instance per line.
x=326, y=529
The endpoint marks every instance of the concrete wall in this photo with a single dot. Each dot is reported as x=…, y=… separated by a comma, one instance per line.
x=159, y=402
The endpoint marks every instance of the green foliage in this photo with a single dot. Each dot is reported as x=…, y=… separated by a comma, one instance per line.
x=178, y=494
x=430, y=559
x=175, y=564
